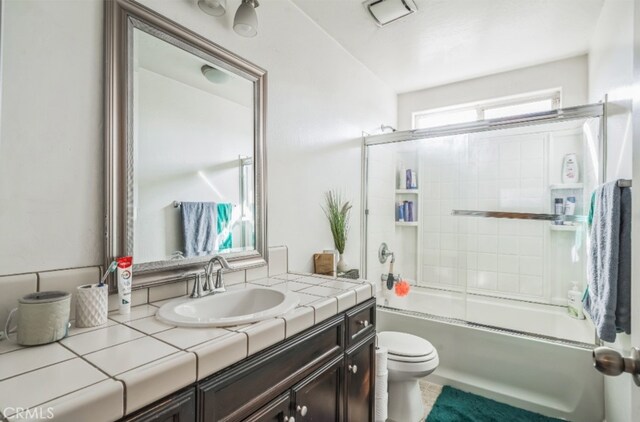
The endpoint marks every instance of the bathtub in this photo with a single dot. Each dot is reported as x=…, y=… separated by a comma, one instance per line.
x=532, y=371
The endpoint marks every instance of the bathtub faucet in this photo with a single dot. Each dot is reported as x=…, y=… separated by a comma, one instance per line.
x=385, y=277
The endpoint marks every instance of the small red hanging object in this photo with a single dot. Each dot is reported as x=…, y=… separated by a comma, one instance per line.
x=402, y=288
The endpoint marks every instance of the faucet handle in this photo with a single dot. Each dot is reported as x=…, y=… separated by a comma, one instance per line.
x=197, y=290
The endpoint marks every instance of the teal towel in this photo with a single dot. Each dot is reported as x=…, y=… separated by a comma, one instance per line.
x=223, y=223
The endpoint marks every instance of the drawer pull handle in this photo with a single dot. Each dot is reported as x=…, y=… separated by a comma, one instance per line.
x=303, y=410
x=353, y=368
x=289, y=419
x=364, y=323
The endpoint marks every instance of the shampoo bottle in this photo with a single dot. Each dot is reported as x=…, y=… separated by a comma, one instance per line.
x=570, y=169
x=574, y=302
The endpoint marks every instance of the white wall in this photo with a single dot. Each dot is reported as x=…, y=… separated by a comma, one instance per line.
x=51, y=160
x=51, y=136
x=611, y=72
x=569, y=74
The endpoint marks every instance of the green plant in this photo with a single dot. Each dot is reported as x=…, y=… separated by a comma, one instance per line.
x=337, y=212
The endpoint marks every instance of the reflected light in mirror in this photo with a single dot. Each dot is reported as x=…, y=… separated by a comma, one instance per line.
x=208, y=182
x=214, y=75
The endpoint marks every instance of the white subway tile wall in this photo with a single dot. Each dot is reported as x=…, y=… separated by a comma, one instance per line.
x=486, y=255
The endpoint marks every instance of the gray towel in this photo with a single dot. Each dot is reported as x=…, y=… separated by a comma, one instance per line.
x=199, y=228
x=609, y=264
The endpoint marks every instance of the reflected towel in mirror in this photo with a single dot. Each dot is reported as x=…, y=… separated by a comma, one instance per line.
x=199, y=228
x=225, y=211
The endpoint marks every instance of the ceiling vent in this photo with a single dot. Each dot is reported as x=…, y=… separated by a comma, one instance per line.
x=386, y=11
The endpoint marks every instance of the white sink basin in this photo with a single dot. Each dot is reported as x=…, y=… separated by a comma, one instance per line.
x=233, y=307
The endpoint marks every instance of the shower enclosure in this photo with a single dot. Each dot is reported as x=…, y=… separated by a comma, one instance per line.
x=484, y=224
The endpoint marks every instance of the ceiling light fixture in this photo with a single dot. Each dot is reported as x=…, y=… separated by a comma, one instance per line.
x=213, y=7
x=214, y=75
x=245, y=23
x=386, y=11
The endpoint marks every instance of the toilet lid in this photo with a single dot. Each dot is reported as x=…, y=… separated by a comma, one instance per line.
x=404, y=345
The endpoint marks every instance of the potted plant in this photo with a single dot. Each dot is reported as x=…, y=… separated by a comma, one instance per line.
x=337, y=211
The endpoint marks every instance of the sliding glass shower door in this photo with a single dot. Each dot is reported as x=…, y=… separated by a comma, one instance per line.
x=486, y=226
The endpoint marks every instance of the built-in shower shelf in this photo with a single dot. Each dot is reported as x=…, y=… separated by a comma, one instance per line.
x=407, y=223
x=566, y=186
x=407, y=192
x=562, y=228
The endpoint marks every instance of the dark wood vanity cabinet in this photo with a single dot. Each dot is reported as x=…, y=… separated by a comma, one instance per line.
x=324, y=374
x=180, y=407
x=319, y=397
x=360, y=380
x=276, y=411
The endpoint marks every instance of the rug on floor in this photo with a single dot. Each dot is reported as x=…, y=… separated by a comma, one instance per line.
x=454, y=405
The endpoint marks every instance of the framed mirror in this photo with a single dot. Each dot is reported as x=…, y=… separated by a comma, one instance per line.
x=185, y=144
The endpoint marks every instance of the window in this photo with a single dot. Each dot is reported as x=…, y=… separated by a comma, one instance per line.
x=491, y=109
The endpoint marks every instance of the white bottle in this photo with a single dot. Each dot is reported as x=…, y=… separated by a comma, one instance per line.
x=401, y=177
x=574, y=302
x=570, y=169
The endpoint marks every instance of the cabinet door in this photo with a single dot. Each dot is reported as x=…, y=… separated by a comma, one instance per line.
x=276, y=411
x=177, y=408
x=318, y=397
x=360, y=381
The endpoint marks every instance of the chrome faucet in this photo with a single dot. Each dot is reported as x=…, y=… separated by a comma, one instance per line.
x=208, y=286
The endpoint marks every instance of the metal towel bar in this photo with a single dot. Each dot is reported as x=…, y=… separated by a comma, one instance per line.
x=519, y=215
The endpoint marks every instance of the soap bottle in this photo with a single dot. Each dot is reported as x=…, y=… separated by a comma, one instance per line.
x=401, y=177
x=574, y=302
x=570, y=169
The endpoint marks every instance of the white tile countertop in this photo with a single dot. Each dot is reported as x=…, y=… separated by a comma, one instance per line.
x=103, y=373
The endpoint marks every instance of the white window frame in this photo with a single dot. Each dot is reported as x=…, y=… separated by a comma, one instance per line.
x=555, y=95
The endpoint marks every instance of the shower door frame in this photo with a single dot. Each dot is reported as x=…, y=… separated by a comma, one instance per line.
x=598, y=110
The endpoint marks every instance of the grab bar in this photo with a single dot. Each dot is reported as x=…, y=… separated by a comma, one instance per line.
x=519, y=215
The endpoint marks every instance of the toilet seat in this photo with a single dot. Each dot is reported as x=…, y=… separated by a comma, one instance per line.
x=405, y=347
x=412, y=359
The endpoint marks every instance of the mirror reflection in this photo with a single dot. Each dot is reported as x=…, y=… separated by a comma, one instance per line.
x=193, y=145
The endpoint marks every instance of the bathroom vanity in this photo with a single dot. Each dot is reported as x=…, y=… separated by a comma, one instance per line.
x=325, y=373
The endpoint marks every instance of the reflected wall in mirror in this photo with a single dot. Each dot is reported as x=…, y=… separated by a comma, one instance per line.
x=193, y=154
x=185, y=143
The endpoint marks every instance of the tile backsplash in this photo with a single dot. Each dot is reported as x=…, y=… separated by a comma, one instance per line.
x=12, y=287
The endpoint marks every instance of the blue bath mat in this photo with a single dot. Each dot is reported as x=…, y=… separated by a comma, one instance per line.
x=454, y=405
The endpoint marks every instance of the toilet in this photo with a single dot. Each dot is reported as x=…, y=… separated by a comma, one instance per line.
x=409, y=359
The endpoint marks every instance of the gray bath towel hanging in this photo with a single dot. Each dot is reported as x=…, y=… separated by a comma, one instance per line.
x=608, y=301
x=199, y=228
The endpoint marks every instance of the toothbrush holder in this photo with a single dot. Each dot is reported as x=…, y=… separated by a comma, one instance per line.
x=92, y=302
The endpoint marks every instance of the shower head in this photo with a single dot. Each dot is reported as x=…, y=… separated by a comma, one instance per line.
x=387, y=127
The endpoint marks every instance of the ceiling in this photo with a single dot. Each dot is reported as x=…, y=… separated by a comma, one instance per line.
x=165, y=59
x=452, y=40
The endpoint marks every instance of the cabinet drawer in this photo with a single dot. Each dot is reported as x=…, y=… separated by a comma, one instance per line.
x=361, y=321
x=180, y=407
x=236, y=393
x=276, y=411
